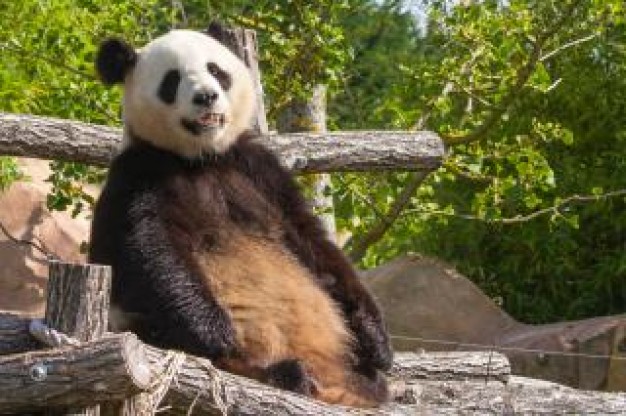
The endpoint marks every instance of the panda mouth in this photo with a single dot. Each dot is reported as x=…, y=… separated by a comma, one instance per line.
x=205, y=121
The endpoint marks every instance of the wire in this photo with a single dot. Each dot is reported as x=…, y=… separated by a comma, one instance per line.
x=493, y=347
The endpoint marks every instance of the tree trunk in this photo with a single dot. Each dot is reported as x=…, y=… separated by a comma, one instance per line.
x=310, y=116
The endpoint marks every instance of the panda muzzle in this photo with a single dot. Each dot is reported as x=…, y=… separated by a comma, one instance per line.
x=209, y=119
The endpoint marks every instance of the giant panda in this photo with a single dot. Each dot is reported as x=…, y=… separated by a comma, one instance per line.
x=213, y=248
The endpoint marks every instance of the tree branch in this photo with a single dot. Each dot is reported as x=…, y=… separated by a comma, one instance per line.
x=523, y=75
x=567, y=46
x=360, y=244
x=528, y=217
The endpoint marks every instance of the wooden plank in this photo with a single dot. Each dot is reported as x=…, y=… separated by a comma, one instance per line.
x=74, y=141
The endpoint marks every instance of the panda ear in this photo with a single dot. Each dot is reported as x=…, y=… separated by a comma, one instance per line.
x=115, y=58
x=219, y=31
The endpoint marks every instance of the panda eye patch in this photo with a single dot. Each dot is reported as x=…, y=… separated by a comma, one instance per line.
x=169, y=86
x=222, y=77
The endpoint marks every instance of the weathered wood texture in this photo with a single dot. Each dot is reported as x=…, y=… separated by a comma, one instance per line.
x=106, y=369
x=51, y=138
x=78, y=299
x=520, y=396
x=78, y=306
x=453, y=365
x=474, y=394
x=14, y=335
x=310, y=116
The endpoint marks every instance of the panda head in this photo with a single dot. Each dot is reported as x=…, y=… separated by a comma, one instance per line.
x=184, y=92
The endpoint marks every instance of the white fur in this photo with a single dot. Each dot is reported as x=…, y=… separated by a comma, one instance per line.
x=149, y=118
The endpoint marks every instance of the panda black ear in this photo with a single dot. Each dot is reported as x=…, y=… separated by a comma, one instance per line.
x=219, y=31
x=115, y=58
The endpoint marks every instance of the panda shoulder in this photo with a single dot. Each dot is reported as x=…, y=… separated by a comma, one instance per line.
x=252, y=149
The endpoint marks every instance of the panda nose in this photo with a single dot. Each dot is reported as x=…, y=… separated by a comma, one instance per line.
x=205, y=99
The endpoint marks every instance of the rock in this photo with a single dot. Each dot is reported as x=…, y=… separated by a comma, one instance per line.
x=23, y=212
x=429, y=305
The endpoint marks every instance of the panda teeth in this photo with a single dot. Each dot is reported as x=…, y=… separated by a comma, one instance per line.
x=211, y=119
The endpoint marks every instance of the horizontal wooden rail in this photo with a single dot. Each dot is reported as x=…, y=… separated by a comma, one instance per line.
x=74, y=141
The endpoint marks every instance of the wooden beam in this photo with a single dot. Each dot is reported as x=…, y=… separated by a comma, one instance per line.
x=74, y=141
x=107, y=369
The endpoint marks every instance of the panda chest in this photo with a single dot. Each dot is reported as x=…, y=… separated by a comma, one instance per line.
x=220, y=203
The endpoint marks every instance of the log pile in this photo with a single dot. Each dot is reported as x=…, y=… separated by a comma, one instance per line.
x=118, y=366
x=125, y=376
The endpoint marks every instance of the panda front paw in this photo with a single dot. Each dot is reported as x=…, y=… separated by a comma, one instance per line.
x=372, y=349
x=219, y=339
x=291, y=375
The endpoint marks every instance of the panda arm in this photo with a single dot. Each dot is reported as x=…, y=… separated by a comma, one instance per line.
x=153, y=279
x=307, y=239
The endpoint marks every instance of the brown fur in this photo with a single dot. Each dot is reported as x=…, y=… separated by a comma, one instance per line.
x=269, y=297
x=222, y=258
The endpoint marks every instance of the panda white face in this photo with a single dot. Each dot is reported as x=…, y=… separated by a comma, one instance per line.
x=187, y=93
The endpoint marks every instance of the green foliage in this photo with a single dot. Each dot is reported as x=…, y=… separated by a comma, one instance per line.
x=9, y=172
x=47, y=68
x=530, y=99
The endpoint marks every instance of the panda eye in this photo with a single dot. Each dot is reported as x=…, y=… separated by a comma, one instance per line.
x=222, y=77
x=213, y=69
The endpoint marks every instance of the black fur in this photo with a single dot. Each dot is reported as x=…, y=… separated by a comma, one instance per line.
x=219, y=32
x=290, y=375
x=158, y=208
x=115, y=58
x=222, y=76
x=169, y=86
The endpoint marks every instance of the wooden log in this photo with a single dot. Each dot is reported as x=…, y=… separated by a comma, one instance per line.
x=198, y=385
x=78, y=299
x=426, y=383
x=200, y=389
x=14, y=335
x=451, y=365
x=78, y=306
x=520, y=395
x=52, y=138
x=310, y=116
x=463, y=365
x=107, y=369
